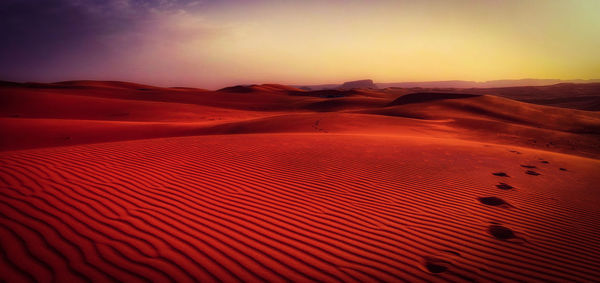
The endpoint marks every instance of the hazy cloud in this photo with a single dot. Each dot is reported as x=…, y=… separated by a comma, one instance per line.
x=41, y=36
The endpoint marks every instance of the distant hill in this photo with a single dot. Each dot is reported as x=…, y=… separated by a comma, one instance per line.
x=485, y=84
x=455, y=84
x=358, y=84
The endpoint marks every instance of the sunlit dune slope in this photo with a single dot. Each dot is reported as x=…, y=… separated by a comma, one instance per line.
x=503, y=120
x=114, y=181
x=162, y=112
x=298, y=207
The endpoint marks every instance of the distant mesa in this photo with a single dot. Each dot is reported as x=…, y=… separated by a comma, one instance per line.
x=465, y=84
x=358, y=84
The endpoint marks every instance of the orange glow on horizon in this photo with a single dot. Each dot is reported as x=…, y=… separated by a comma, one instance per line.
x=310, y=42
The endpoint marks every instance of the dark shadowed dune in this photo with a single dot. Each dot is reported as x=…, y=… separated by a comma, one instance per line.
x=260, y=88
x=568, y=95
x=421, y=97
x=237, y=89
x=341, y=104
x=330, y=93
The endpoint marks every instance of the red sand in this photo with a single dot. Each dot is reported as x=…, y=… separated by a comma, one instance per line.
x=122, y=182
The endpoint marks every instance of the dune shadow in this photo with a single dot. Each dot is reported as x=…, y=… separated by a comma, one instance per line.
x=420, y=97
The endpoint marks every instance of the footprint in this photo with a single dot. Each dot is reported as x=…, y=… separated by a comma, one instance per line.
x=528, y=166
x=501, y=233
x=501, y=174
x=493, y=201
x=544, y=161
x=562, y=169
x=452, y=252
x=514, y=151
x=529, y=172
x=504, y=186
x=436, y=265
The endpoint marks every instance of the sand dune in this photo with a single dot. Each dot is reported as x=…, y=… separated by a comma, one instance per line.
x=276, y=185
x=585, y=96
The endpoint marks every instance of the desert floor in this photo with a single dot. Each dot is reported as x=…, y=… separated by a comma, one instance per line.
x=112, y=181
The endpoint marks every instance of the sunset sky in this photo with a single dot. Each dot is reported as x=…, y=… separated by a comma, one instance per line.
x=213, y=43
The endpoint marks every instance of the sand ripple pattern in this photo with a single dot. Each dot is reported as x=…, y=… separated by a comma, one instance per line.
x=271, y=208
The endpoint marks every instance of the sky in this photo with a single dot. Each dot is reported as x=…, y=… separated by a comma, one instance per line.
x=217, y=43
